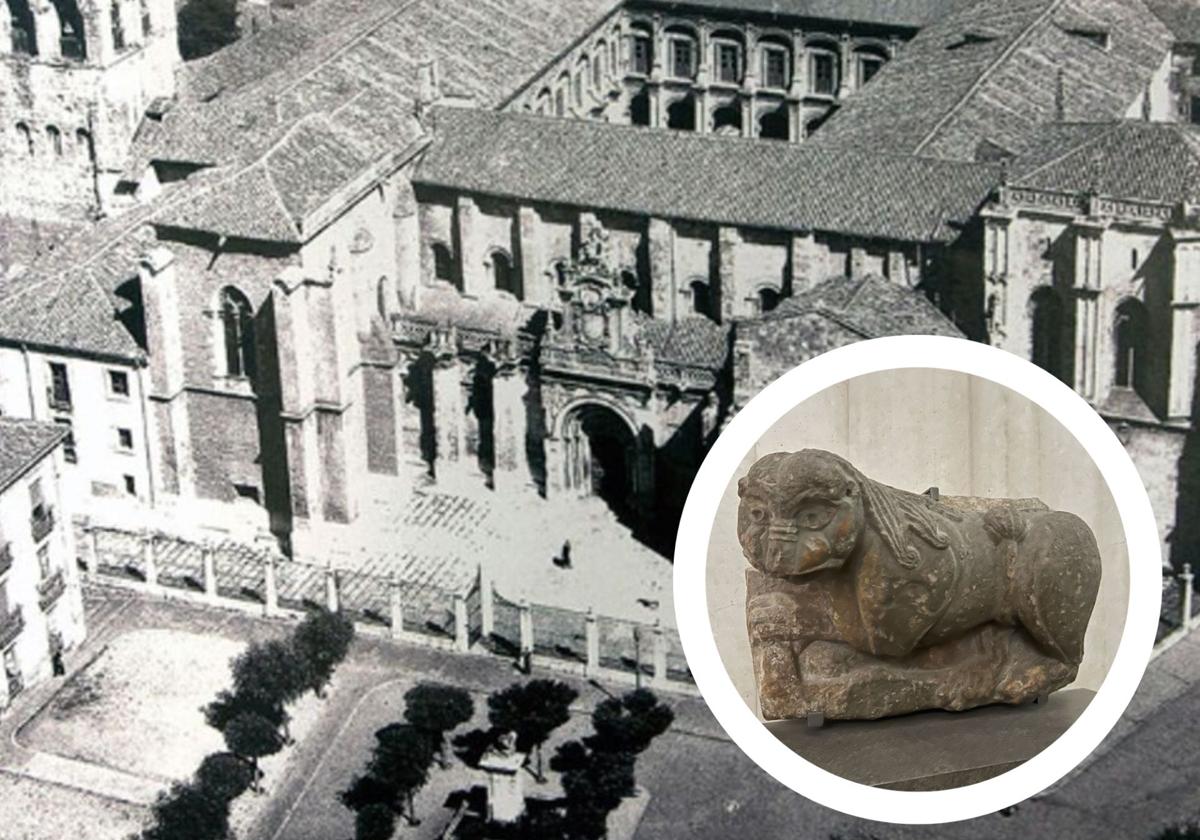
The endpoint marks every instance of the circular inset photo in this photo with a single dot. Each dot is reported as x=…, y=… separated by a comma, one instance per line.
x=917, y=579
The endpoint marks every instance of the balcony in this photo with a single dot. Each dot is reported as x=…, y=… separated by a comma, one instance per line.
x=6, y=558
x=41, y=525
x=50, y=590
x=11, y=626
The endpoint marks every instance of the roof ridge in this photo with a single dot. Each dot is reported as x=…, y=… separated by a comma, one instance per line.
x=984, y=77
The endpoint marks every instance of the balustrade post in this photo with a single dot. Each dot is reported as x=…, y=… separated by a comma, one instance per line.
x=592, y=630
x=397, y=607
x=462, y=640
x=209, y=562
x=660, y=653
x=526, y=616
x=1185, y=601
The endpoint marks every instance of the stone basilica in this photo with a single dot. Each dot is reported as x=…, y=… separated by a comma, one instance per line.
x=517, y=247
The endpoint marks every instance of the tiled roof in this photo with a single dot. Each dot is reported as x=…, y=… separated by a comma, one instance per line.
x=993, y=73
x=67, y=299
x=22, y=444
x=901, y=13
x=1182, y=17
x=297, y=111
x=1127, y=159
x=873, y=307
x=694, y=341
x=755, y=183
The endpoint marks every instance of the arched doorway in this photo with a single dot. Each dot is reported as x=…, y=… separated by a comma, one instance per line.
x=602, y=457
x=681, y=114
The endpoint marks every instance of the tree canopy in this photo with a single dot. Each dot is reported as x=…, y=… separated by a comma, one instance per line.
x=321, y=641
x=532, y=710
x=629, y=723
x=205, y=26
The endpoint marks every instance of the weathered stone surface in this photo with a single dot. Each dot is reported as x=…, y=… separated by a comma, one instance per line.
x=867, y=601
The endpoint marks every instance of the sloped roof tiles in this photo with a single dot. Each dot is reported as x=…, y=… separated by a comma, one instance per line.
x=22, y=444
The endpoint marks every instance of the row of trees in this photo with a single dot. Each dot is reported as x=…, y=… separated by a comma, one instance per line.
x=253, y=718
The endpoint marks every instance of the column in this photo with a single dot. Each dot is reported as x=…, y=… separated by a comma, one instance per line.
x=470, y=247
x=508, y=404
x=209, y=561
x=270, y=586
x=997, y=221
x=661, y=238
x=531, y=261
x=462, y=639
x=1089, y=236
x=396, y=607
x=331, y=590
x=1185, y=302
x=728, y=240
x=592, y=632
x=846, y=82
x=449, y=411
x=659, y=653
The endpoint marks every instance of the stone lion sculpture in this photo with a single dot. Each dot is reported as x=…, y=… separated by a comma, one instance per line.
x=867, y=601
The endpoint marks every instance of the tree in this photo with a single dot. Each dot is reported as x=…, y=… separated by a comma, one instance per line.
x=321, y=641
x=629, y=723
x=187, y=811
x=224, y=776
x=401, y=761
x=1180, y=831
x=267, y=676
x=594, y=782
x=375, y=822
x=251, y=737
x=437, y=709
x=205, y=26
x=533, y=711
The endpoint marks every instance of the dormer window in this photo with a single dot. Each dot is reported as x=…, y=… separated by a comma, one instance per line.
x=775, y=67
x=1099, y=37
x=728, y=62
x=641, y=51
x=868, y=64
x=682, y=52
x=822, y=72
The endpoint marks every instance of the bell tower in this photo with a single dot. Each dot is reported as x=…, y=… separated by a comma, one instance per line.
x=76, y=78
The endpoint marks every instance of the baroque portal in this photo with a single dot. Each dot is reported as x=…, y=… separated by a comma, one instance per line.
x=866, y=601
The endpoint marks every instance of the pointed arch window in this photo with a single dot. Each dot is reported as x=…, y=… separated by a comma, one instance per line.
x=25, y=138
x=21, y=27
x=54, y=139
x=237, y=333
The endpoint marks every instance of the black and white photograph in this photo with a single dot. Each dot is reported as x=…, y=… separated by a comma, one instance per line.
x=357, y=358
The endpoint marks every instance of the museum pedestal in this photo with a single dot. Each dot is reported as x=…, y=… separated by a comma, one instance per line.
x=934, y=750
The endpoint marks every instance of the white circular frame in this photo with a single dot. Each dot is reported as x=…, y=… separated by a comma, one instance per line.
x=699, y=518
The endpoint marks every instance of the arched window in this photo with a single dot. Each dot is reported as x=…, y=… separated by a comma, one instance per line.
x=443, y=263
x=728, y=57
x=775, y=124
x=776, y=64
x=1046, y=330
x=381, y=299
x=21, y=27
x=682, y=54
x=823, y=72
x=768, y=299
x=701, y=298
x=83, y=143
x=237, y=333
x=543, y=101
x=728, y=119
x=504, y=279
x=71, y=41
x=598, y=65
x=681, y=114
x=641, y=49
x=117, y=25
x=867, y=62
x=1130, y=343
x=25, y=138
x=581, y=74
x=54, y=139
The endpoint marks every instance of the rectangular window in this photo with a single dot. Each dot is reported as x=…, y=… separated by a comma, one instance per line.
x=640, y=56
x=729, y=63
x=683, y=59
x=868, y=66
x=118, y=383
x=37, y=501
x=125, y=439
x=130, y=485
x=70, y=453
x=823, y=74
x=43, y=556
x=775, y=68
x=60, y=387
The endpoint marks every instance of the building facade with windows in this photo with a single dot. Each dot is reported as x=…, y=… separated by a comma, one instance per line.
x=771, y=71
x=41, y=605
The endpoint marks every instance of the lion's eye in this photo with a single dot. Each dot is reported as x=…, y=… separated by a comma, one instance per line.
x=758, y=514
x=814, y=517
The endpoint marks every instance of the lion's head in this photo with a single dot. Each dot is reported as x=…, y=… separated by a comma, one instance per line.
x=800, y=512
